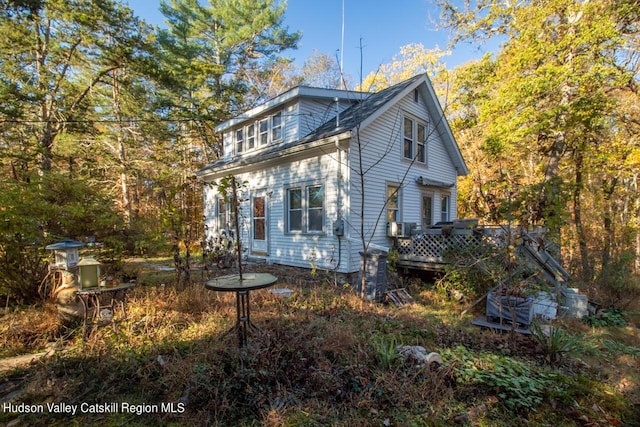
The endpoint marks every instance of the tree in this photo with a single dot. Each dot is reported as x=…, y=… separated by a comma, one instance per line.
x=278, y=76
x=322, y=70
x=545, y=110
x=55, y=54
x=204, y=55
x=206, y=51
x=412, y=59
x=266, y=81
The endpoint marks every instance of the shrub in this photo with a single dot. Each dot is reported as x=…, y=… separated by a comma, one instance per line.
x=607, y=317
x=518, y=385
x=618, y=282
x=23, y=269
x=455, y=284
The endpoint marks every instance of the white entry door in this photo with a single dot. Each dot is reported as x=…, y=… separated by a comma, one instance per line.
x=259, y=224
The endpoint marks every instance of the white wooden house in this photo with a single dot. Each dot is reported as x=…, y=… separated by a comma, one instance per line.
x=300, y=156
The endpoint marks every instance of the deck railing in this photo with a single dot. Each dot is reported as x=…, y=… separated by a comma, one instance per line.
x=429, y=247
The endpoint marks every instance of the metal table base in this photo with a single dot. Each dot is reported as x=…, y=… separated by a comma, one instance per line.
x=242, y=288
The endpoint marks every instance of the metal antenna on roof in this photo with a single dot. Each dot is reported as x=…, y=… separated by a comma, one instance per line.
x=337, y=101
x=342, y=50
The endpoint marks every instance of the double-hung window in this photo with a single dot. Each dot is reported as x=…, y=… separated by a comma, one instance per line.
x=305, y=209
x=393, y=203
x=276, y=127
x=315, y=209
x=294, y=209
x=239, y=140
x=263, y=131
x=445, y=207
x=414, y=141
x=421, y=142
x=407, y=148
x=251, y=136
x=222, y=214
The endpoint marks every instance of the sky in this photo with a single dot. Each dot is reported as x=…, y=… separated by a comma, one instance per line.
x=382, y=25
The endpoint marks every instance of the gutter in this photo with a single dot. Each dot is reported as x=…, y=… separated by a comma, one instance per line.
x=256, y=159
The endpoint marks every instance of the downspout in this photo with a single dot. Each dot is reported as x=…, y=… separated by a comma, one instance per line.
x=339, y=201
x=339, y=181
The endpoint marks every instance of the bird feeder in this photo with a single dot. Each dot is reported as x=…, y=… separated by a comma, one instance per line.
x=66, y=253
x=88, y=273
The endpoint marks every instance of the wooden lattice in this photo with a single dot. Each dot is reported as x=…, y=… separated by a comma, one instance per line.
x=431, y=247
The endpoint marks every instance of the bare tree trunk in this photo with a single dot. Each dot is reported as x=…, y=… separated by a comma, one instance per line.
x=121, y=151
x=607, y=220
x=577, y=216
x=637, y=215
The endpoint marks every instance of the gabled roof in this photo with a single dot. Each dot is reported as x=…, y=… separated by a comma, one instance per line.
x=357, y=114
x=360, y=114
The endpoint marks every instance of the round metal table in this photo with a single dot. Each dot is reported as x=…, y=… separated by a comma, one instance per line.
x=249, y=282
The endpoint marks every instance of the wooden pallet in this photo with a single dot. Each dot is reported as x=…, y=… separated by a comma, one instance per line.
x=400, y=297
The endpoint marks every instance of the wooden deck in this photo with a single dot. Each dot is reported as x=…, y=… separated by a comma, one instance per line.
x=426, y=250
x=434, y=249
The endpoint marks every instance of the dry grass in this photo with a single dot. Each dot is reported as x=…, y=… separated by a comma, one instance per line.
x=324, y=357
x=29, y=330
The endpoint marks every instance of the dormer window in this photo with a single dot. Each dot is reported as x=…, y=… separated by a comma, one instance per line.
x=259, y=133
x=263, y=132
x=276, y=127
x=251, y=136
x=239, y=140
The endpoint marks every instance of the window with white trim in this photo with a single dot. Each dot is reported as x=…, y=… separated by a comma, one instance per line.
x=263, y=131
x=421, y=143
x=276, y=127
x=445, y=207
x=222, y=214
x=407, y=147
x=305, y=212
x=414, y=141
x=239, y=140
x=315, y=209
x=393, y=203
x=251, y=136
x=259, y=133
x=294, y=210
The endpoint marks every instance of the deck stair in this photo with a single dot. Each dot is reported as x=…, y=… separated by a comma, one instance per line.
x=426, y=250
x=434, y=249
x=535, y=251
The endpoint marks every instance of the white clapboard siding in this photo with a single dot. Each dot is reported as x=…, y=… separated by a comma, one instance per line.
x=382, y=156
x=285, y=248
x=381, y=140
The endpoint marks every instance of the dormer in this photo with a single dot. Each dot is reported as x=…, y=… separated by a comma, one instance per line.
x=284, y=119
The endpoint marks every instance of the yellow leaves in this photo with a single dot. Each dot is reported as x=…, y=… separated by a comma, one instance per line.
x=633, y=160
x=412, y=59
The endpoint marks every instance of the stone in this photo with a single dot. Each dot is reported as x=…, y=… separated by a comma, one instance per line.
x=418, y=355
